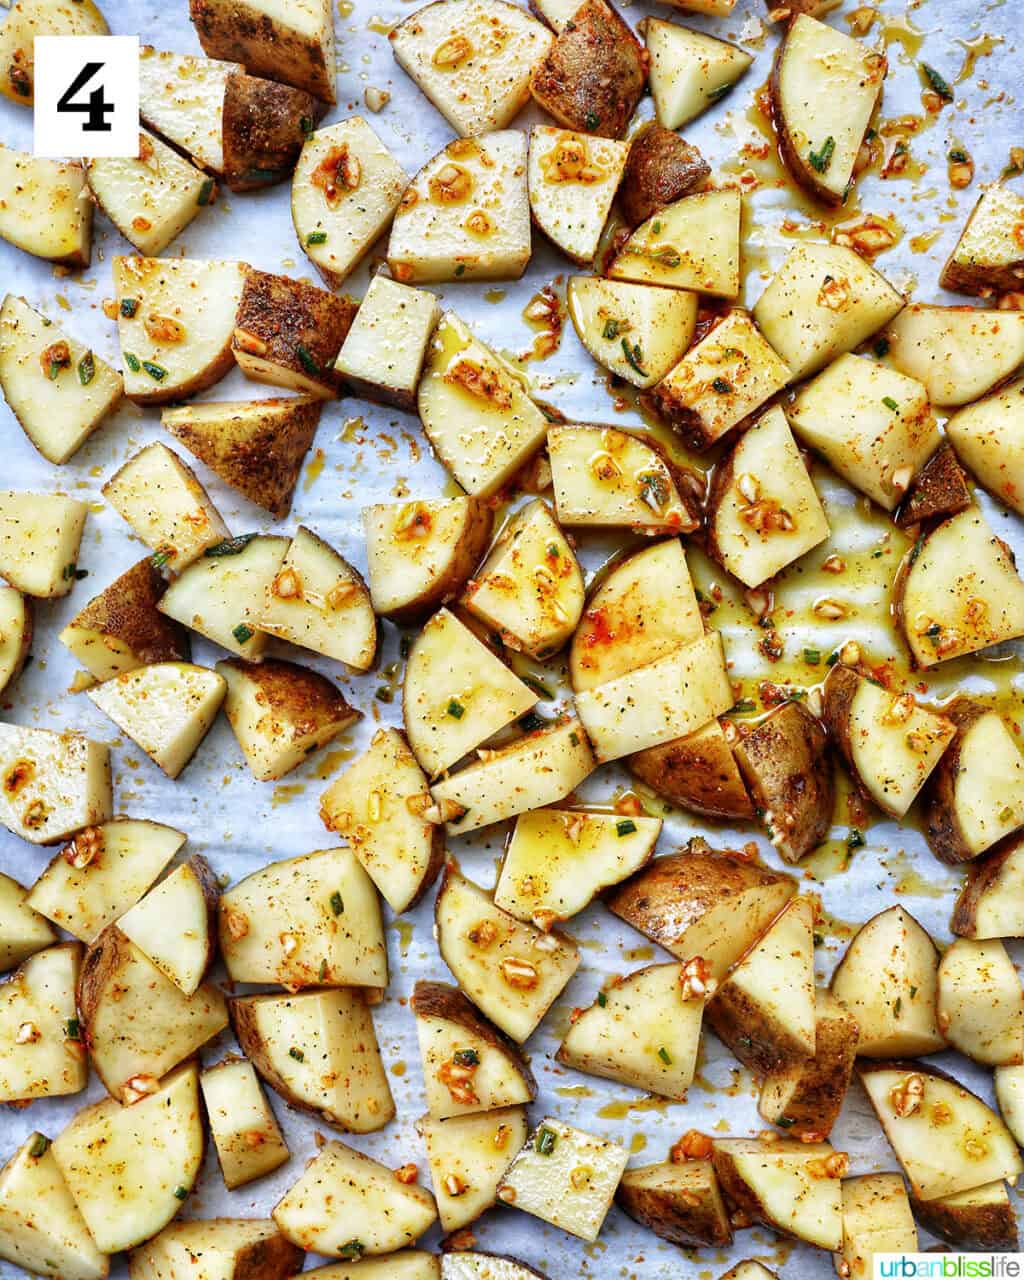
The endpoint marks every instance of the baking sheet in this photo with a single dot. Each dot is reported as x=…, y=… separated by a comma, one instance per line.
x=368, y=454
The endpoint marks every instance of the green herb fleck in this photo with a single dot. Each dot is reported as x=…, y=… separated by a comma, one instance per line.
x=353, y=1249
x=467, y=1057
x=665, y=1056
x=610, y=331
x=156, y=371
x=40, y=1146
x=812, y=657
x=306, y=125
x=460, y=270
x=743, y=705
x=307, y=361
x=592, y=121
x=322, y=971
x=86, y=369
x=602, y=999
x=855, y=838
x=913, y=992
x=205, y=192
x=73, y=1029
x=716, y=95
x=229, y=546
x=890, y=403
x=316, y=237
x=574, y=738
x=129, y=306
x=455, y=709
x=937, y=82
x=819, y=938
x=881, y=347
x=545, y=1141
x=132, y=362
x=68, y=572
x=634, y=356
x=159, y=558
x=181, y=1193
x=337, y=906
x=538, y=687
x=958, y=155
x=897, y=1006
x=785, y=1122
x=820, y=160
x=625, y=828
x=242, y=633
x=721, y=386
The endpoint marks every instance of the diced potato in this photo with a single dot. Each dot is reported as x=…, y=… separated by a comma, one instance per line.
x=990, y=904
x=662, y=168
x=40, y=536
x=58, y=389
x=939, y=489
x=127, y=1167
x=175, y=322
x=175, y=924
x=102, y=873
x=573, y=179
x=1009, y=1090
x=23, y=931
x=989, y=254
x=46, y=210
x=537, y=769
x=988, y=437
x=982, y=1218
x=805, y=1098
x=468, y=1265
x=182, y=97
x=167, y=709
x=980, y=1004
x=763, y=509
x=16, y=629
x=476, y=411
x=256, y=446
x=137, y=1023
x=317, y=600
x=876, y=1219
x=41, y=1229
x=665, y=699
x=793, y=1187
x=421, y=554
x=681, y=1203
x=466, y=214
x=871, y=424
x=245, y=1132
x=382, y=357
x=690, y=70
x=165, y=505
x=959, y=353
x=42, y=1054
x=221, y=1248
x=305, y=921
x=823, y=301
x=613, y=319
x=691, y=244
x=566, y=1177
x=606, y=477
x=959, y=591
x=721, y=381
x=698, y=772
x=473, y=60
x=511, y=971
x=53, y=784
x=558, y=860
x=468, y=1157
x=31, y=18
x=281, y=713
x=319, y=1052
x=888, y=980
x=346, y=1205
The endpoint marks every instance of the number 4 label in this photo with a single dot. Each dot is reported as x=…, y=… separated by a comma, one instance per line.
x=86, y=96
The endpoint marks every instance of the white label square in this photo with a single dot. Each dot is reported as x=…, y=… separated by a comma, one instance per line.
x=86, y=96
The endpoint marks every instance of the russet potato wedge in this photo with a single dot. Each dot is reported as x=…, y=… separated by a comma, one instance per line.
x=609, y=313
x=245, y=1133
x=23, y=931
x=572, y=181
x=662, y=168
x=382, y=356
x=175, y=924
x=53, y=784
x=690, y=70
x=982, y=1218
x=29, y=18
x=468, y=1157
x=46, y=210
x=693, y=243
x=805, y=1099
x=939, y=489
x=980, y=1004
x=990, y=904
x=681, y=1203
x=876, y=1219
x=16, y=630
x=988, y=437
x=265, y=127
x=989, y=255
x=181, y=97
x=698, y=772
x=228, y=1248
x=42, y=1053
x=40, y=537
x=959, y=353
x=793, y=1187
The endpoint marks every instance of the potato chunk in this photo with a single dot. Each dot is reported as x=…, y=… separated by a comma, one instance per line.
x=468, y=1157
x=959, y=353
x=175, y=924
x=990, y=904
x=245, y=1132
x=40, y=536
x=232, y=1248
x=274, y=38
x=265, y=125
x=805, y=1098
x=980, y=1005
x=698, y=772
x=691, y=244
x=988, y=437
x=662, y=168
x=681, y=1203
x=982, y=1218
x=23, y=931
x=690, y=70
x=990, y=253
x=31, y=18
x=793, y=1187
x=382, y=356
x=42, y=1054
x=876, y=1219
x=181, y=97
x=51, y=784
x=572, y=181
x=16, y=628
x=613, y=319
x=46, y=209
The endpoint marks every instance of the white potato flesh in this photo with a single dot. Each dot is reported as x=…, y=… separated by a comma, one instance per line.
x=307, y=920
x=691, y=244
x=642, y=610
x=642, y=1031
x=961, y=592
x=959, y=353
x=30, y=18
x=171, y=925
x=408, y=1264
x=980, y=1002
x=345, y=190
x=876, y=1219
x=608, y=313
x=315, y=599
x=989, y=245
x=175, y=323
x=1009, y=1088
x=545, y=1178
x=150, y=198
x=59, y=393
x=215, y=1249
x=456, y=694
x=466, y=1265
x=40, y=535
x=346, y=1204
x=46, y=210
x=221, y=595
x=668, y=698
x=54, y=784
x=788, y=1184
x=41, y=1049
x=245, y=1132
x=988, y=437
x=556, y=13
x=182, y=98
x=167, y=709
x=690, y=70
x=558, y=860
x=824, y=300
x=472, y=59
x=609, y=478
x=466, y=214
x=497, y=1080
x=997, y=909
x=41, y=1229
x=102, y=873
x=468, y=1157
x=383, y=353
x=476, y=411
x=127, y=1166
x=15, y=634
x=23, y=931
x=513, y=977
x=532, y=771
x=572, y=182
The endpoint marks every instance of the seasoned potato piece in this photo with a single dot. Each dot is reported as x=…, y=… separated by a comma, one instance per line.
x=46, y=210
x=958, y=591
x=572, y=182
x=468, y=1157
x=232, y=1248
x=990, y=252
x=661, y=169
x=473, y=60
x=42, y=1054
x=40, y=536
x=319, y=1052
x=31, y=18
x=175, y=924
x=408, y=1264
x=805, y=1098
x=1009, y=1089
x=959, y=353
x=345, y=191
x=556, y=13
x=990, y=904
x=980, y=1004
x=748, y=1269
x=16, y=628
x=167, y=708
x=982, y=1218
x=614, y=320
x=166, y=506
x=988, y=437
x=888, y=980
x=681, y=1203
x=823, y=301
x=876, y=1219
x=265, y=125
x=693, y=243
x=382, y=356
x=466, y=214
x=690, y=70
x=52, y=784
x=182, y=98
x=698, y=772
x=593, y=75
x=23, y=931
x=793, y=1187
x=938, y=490
x=467, y=1265
x=245, y=1133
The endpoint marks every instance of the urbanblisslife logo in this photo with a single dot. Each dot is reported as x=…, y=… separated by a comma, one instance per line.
x=949, y=1266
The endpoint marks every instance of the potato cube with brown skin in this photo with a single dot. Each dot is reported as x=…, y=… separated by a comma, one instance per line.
x=245, y=1132
x=792, y=1187
x=573, y=179
x=988, y=437
x=23, y=931
x=697, y=772
x=693, y=243
x=468, y=1157
x=234, y=1248
x=982, y=1218
x=876, y=1219
x=265, y=126
x=614, y=320
x=42, y=1054
x=680, y=1202
x=594, y=74
x=31, y=18
x=989, y=256
x=805, y=1099
x=46, y=209
x=52, y=784
x=991, y=904
x=288, y=333
x=690, y=71
x=661, y=169
x=382, y=357
x=980, y=1004
x=939, y=489
x=959, y=353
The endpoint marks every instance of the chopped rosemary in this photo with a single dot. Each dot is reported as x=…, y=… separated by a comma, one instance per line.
x=820, y=160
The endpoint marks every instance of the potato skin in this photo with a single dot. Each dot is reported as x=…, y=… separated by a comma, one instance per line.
x=942, y=829
x=273, y=1259
x=818, y=1098
x=265, y=127
x=661, y=169
x=102, y=961
x=983, y=1226
x=981, y=874
x=243, y=1024
x=939, y=490
x=127, y=609
x=594, y=73
x=698, y=779
x=669, y=1215
x=302, y=696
